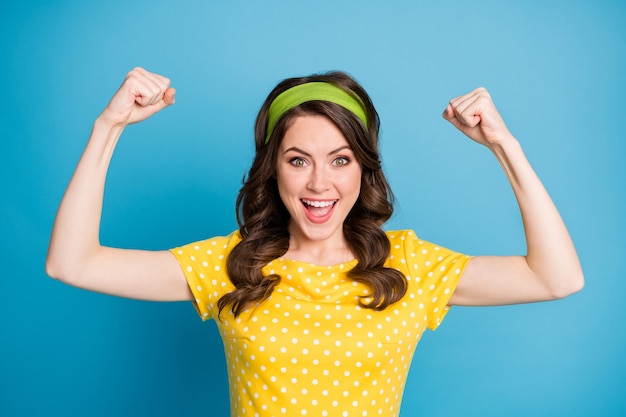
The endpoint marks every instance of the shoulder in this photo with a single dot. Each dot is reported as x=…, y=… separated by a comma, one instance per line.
x=217, y=245
x=400, y=235
x=399, y=239
x=406, y=239
x=407, y=249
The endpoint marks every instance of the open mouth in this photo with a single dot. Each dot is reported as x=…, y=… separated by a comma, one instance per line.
x=318, y=208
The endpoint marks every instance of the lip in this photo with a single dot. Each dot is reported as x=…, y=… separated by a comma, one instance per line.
x=306, y=203
x=317, y=203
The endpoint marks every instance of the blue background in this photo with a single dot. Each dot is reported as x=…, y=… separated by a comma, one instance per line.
x=556, y=70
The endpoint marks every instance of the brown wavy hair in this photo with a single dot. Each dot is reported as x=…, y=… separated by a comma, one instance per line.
x=263, y=219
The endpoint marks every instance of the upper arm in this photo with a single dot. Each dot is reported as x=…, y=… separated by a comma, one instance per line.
x=500, y=280
x=139, y=274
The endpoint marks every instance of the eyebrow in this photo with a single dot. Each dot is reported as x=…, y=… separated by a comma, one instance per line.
x=334, y=151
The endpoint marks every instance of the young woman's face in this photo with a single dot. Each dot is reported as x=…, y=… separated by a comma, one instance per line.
x=319, y=178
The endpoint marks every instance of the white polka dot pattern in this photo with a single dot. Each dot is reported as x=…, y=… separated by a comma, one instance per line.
x=310, y=349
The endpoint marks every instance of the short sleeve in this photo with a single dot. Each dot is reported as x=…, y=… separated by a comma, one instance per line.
x=204, y=266
x=433, y=273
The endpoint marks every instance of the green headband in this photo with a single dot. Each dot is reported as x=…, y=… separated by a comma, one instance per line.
x=313, y=91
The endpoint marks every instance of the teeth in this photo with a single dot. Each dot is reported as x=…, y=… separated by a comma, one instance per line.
x=318, y=203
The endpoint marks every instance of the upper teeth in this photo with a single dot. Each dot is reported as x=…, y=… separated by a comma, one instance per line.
x=318, y=203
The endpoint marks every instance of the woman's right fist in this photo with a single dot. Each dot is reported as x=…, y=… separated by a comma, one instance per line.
x=141, y=95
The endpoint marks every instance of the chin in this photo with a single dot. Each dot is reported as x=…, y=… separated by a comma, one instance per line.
x=317, y=232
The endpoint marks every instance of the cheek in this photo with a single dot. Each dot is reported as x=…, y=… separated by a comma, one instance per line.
x=352, y=182
x=288, y=186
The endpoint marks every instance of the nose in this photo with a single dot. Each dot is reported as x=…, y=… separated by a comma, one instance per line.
x=318, y=181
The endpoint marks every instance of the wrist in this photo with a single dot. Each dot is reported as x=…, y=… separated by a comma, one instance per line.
x=104, y=124
x=504, y=143
x=112, y=119
x=509, y=154
x=104, y=135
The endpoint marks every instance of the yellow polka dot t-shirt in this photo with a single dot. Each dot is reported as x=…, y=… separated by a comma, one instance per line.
x=311, y=349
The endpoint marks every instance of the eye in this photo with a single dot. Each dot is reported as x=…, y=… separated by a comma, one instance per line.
x=340, y=161
x=297, y=162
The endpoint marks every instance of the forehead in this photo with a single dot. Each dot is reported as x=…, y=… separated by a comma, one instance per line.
x=313, y=132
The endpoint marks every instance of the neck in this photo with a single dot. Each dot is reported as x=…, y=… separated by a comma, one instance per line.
x=319, y=252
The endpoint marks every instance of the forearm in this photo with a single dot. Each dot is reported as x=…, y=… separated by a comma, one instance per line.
x=75, y=234
x=551, y=255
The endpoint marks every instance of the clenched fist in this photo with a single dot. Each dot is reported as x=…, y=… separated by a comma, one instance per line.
x=476, y=116
x=141, y=95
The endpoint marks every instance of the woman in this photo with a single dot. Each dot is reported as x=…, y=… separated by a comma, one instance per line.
x=319, y=309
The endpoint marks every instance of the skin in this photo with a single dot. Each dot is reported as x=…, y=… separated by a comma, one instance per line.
x=316, y=166
x=549, y=270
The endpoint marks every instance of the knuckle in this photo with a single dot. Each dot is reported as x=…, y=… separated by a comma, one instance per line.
x=483, y=92
x=132, y=73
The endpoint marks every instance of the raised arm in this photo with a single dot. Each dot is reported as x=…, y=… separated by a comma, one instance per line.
x=550, y=269
x=75, y=255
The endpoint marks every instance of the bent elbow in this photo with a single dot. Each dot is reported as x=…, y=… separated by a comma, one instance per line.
x=53, y=268
x=58, y=269
x=572, y=285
